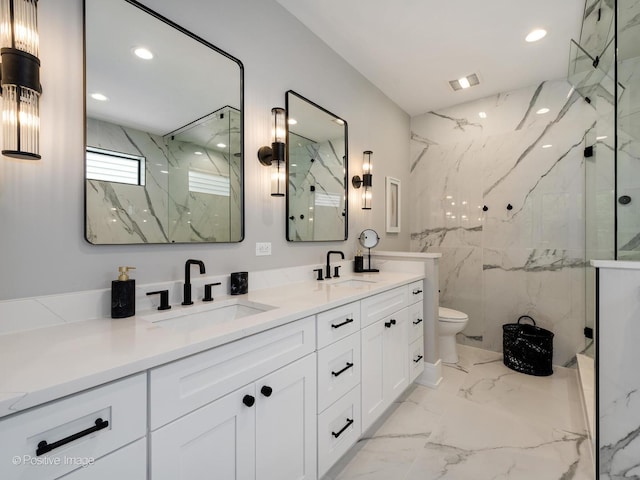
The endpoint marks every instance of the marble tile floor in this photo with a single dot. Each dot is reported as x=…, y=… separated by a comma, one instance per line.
x=484, y=422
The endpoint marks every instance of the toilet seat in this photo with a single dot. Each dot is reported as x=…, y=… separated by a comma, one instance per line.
x=451, y=316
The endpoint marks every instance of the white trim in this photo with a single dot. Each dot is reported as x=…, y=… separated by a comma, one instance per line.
x=432, y=375
x=392, y=208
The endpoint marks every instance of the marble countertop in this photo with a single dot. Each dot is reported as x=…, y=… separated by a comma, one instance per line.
x=616, y=264
x=415, y=255
x=37, y=366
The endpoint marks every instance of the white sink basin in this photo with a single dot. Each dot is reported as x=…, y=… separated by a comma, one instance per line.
x=204, y=315
x=353, y=283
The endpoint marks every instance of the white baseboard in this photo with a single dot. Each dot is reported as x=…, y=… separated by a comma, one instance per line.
x=432, y=375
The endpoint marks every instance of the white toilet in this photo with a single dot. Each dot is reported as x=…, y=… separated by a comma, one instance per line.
x=450, y=322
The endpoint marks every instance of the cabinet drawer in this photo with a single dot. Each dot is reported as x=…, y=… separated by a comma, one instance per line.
x=182, y=386
x=338, y=429
x=416, y=317
x=416, y=291
x=416, y=358
x=129, y=463
x=338, y=370
x=338, y=323
x=122, y=404
x=383, y=304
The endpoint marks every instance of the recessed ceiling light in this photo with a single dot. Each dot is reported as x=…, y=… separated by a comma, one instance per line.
x=99, y=96
x=547, y=146
x=221, y=145
x=601, y=138
x=482, y=114
x=197, y=153
x=542, y=111
x=292, y=121
x=464, y=83
x=535, y=35
x=143, y=53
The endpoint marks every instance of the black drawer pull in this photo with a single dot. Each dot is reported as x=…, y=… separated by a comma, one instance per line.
x=336, y=374
x=419, y=320
x=347, y=321
x=266, y=390
x=349, y=422
x=417, y=291
x=44, y=447
x=389, y=323
x=249, y=400
x=418, y=359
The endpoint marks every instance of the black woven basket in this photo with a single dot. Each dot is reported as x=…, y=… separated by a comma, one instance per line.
x=527, y=348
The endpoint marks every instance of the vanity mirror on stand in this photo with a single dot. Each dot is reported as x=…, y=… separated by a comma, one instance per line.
x=369, y=239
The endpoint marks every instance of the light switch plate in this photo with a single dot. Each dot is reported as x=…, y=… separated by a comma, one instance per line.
x=263, y=248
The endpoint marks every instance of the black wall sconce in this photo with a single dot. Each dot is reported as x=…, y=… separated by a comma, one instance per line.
x=366, y=181
x=20, y=79
x=274, y=156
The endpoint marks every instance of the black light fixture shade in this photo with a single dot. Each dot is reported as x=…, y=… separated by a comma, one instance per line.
x=20, y=79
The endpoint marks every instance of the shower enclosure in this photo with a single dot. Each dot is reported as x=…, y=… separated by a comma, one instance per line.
x=611, y=84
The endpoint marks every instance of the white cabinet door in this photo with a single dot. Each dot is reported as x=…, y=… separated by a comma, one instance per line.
x=385, y=369
x=372, y=384
x=215, y=441
x=395, y=372
x=286, y=423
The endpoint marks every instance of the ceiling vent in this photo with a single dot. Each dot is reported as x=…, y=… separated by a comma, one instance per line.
x=464, y=82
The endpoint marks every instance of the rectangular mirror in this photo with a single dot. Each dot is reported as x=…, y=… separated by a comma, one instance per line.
x=164, y=131
x=317, y=165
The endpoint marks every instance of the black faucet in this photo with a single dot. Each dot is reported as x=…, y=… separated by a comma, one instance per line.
x=328, y=275
x=187, y=279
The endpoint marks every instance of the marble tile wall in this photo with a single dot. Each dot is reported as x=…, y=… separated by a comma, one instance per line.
x=628, y=130
x=315, y=167
x=164, y=210
x=501, y=263
x=618, y=388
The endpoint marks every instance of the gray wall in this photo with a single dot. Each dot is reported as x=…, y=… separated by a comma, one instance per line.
x=42, y=246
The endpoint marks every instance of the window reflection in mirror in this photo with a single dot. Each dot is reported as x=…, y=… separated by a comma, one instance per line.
x=317, y=160
x=173, y=118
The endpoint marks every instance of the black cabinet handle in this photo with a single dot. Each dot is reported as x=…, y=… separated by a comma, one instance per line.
x=393, y=321
x=266, y=391
x=336, y=374
x=349, y=422
x=249, y=400
x=44, y=447
x=419, y=320
x=389, y=323
x=348, y=320
x=509, y=207
x=418, y=359
x=417, y=291
x=485, y=208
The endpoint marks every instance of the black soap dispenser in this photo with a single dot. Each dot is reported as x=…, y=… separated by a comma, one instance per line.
x=123, y=295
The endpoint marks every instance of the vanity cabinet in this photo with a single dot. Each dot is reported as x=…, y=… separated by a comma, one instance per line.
x=53, y=440
x=264, y=430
